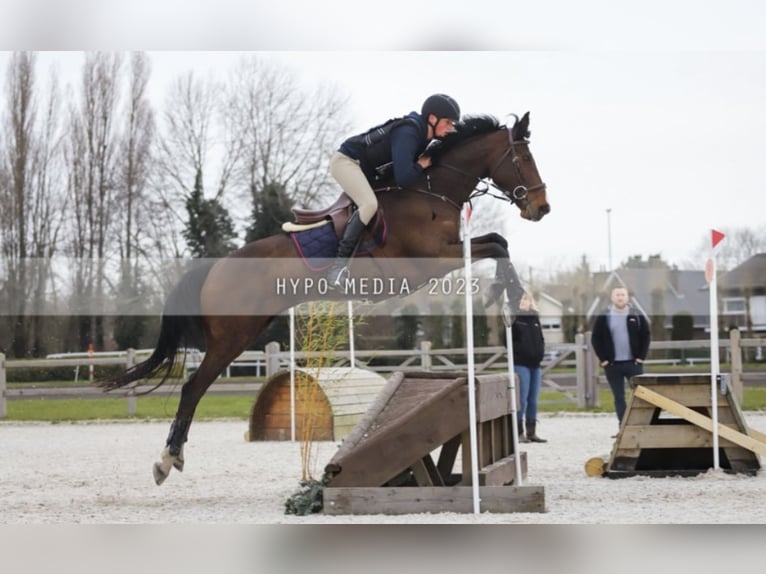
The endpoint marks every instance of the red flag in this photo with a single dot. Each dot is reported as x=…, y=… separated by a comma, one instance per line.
x=717, y=237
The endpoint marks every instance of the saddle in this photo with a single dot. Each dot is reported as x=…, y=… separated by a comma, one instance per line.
x=337, y=214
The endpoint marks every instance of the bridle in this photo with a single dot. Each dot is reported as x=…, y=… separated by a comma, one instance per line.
x=519, y=194
x=521, y=191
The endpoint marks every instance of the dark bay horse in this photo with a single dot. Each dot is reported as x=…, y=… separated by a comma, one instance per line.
x=224, y=306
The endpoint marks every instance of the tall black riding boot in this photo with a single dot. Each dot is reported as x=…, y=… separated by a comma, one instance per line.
x=531, y=425
x=336, y=275
x=522, y=438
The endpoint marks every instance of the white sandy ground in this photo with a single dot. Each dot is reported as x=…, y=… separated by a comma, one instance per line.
x=101, y=473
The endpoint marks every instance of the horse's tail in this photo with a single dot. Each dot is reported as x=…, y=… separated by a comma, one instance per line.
x=181, y=327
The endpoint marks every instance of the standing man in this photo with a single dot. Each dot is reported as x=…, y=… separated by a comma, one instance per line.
x=620, y=339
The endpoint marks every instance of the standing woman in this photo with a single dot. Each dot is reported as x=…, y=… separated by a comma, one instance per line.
x=528, y=351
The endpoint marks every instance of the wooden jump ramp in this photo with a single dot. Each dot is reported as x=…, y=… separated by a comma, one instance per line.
x=668, y=431
x=386, y=464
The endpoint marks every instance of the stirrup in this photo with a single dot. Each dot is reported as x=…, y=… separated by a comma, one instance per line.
x=339, y=282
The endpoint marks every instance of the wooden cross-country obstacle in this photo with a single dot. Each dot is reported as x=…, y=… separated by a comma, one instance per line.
x=385, y=466
x=329, y=402
x=668, y=430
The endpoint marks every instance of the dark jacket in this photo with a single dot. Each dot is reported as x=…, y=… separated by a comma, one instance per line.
x=638, y=334
x=528, y=341
x=392, y=146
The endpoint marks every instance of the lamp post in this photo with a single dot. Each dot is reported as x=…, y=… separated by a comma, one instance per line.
x=609, y=234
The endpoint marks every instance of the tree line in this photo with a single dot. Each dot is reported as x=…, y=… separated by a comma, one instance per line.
x=106, y=194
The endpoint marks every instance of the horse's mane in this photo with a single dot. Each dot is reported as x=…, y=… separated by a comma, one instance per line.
x=467, y=128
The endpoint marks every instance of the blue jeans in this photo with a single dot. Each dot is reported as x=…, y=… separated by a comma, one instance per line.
x=616, y=375
x=529, y=388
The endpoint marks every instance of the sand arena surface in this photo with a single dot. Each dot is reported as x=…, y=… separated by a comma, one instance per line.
x=101, y=473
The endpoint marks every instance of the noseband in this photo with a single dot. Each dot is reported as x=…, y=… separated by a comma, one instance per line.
x=521, y=191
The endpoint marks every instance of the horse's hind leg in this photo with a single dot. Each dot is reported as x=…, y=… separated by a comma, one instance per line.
x=217, y=357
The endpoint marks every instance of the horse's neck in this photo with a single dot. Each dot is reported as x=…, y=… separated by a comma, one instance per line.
x=460, y=171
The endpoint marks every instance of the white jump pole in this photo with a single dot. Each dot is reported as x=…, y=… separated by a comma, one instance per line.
x=507, y=319
x=351, y=356
x=465, y=218
x=512, y=391
x=715, y=360
x=292, y=373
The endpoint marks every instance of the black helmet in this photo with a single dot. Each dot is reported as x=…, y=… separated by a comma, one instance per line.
x=442, y=106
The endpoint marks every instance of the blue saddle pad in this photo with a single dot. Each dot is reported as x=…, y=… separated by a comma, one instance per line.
x=317, y=243
x=318, y=246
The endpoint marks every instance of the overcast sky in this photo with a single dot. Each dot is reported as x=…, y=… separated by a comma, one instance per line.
x=664, y=126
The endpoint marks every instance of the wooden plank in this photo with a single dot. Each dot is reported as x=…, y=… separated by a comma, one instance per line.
x=757, y=434
x=448, y=455
x=666, y=436
x=426, y=473
x=503, y=471
x=492, y=397
x=416, y=500
x=700, y=420
x=421, y=473
x=689, y=395
x=387, y=452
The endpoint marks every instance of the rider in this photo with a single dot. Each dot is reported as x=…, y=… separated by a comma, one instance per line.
x=362, y=159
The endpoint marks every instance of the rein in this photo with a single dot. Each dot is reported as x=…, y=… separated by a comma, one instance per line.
x=518, y=194
x=515, y=196
x=428, y=192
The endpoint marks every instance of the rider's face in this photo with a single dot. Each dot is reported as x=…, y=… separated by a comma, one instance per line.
x=442, y=127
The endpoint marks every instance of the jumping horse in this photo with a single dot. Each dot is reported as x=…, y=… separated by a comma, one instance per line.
x=229, y=302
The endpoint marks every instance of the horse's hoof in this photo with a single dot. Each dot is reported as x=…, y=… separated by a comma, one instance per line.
x=159, y=474
x=178, y=464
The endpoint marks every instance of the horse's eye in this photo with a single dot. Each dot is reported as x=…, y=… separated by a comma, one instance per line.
x=526, y=157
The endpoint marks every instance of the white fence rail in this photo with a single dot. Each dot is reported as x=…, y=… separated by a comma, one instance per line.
x=425, y=358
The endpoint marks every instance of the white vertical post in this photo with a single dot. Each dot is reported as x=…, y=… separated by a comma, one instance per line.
x=130, y=360
x=465, y=225
x=90, y=366
x=3, y=404
x=715, y=366
x=512, y=390
x=292, y=373
x=352, y=357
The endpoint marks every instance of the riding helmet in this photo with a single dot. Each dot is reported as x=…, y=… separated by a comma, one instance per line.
x=442, y=106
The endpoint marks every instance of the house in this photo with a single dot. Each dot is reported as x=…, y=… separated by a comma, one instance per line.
x=659, y=293
x=551, y=317
x=437, y=308
x=742, y=294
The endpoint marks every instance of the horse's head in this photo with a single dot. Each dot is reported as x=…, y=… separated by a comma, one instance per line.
x=481, y=148
x=515, y=173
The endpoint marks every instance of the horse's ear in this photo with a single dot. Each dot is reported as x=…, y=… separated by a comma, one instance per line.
x=521, y=128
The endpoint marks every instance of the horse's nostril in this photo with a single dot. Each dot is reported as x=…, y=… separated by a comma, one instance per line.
x=545, y=209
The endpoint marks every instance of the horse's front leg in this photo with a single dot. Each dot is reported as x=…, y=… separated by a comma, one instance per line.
x=494, y=245
x=173, y=454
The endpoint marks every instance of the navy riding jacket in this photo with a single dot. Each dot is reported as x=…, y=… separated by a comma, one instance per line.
x=399, y=147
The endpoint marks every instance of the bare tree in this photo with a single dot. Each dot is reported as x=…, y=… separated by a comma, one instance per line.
x=134, y=165
x=91, y=164
x=30, y=211
x=134, y=160
x=194, y=144
x=288, y=132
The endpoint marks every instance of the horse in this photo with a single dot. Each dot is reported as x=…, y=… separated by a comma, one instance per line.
x=225, y=305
